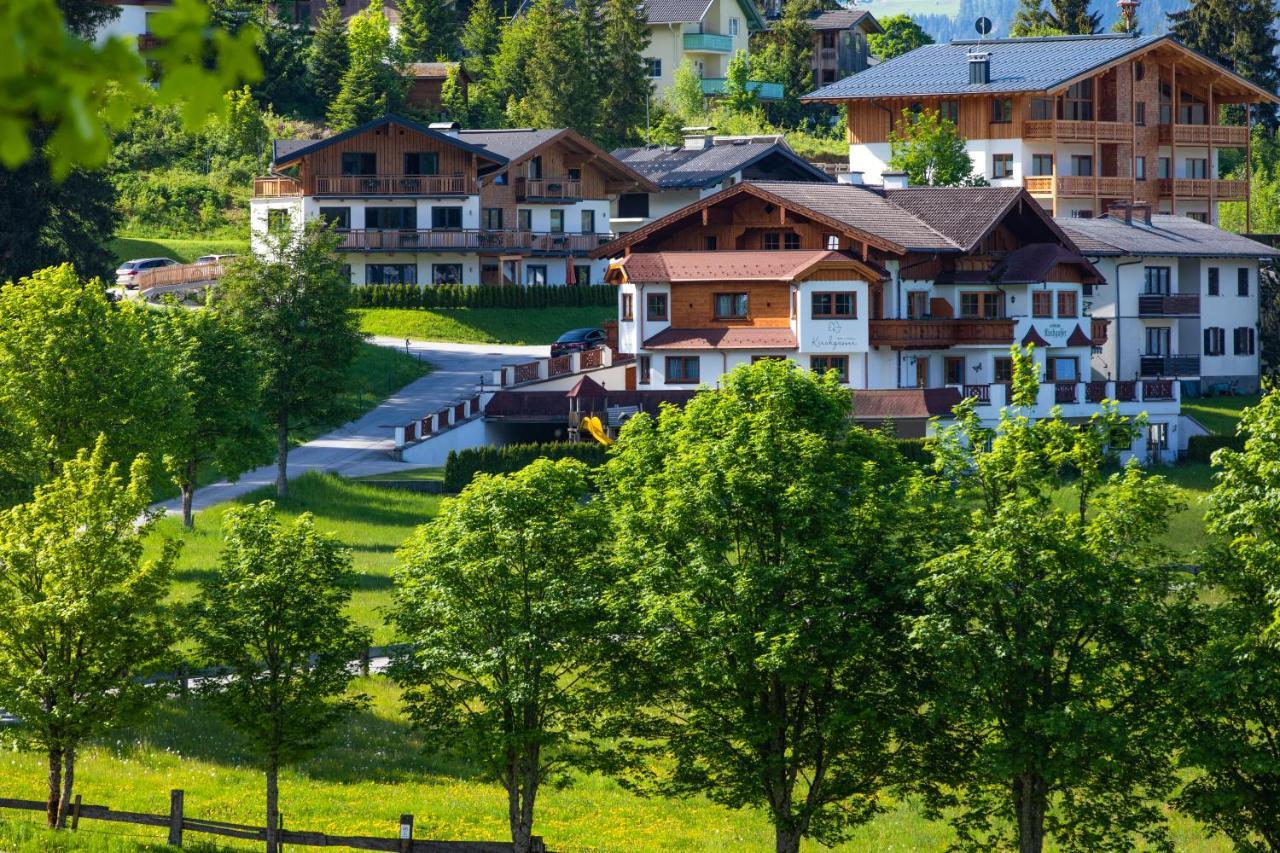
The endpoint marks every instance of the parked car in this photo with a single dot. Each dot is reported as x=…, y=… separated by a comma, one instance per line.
x=127, y=274
x=577, y=340
x=213, y=259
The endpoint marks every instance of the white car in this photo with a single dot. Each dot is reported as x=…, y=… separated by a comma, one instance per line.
x=214, y=259
x=127, y=273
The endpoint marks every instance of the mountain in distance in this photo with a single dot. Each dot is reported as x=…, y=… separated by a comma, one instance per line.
x=952, y=20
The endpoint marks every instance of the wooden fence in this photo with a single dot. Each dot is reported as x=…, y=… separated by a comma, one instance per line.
x=178, y=823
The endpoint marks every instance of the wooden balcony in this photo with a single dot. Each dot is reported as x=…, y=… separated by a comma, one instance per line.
x=467, y=240
x=1204, y=134
x=1168, y=365
x=276, y=188
x=1203, y=188
x=939, y=334
x=1169, y=305
x=147, y=41
x=432, y=185
x=1075, y=186
x=1098, y=327
x=1073, y=131
x=548, y=189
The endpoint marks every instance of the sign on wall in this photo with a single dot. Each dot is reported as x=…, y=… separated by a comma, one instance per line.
x=833, y=336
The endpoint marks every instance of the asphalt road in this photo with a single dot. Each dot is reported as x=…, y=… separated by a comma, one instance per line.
x=362, y=447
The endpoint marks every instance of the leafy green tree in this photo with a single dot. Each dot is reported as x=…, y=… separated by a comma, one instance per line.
x=1239, y=34
x=329, y=57
x=760, y=618
x=626, y=37
x=739, y=94
x=221, y=421
x=901, y=34
x=453, y=96
x=1230, y=701
x=502, y=599
x=292, y=304
x=1264, y=187
x=1053, y=627
x=242, y=132
x=792, y=38
x=273, y=617
x=80, y=610
x=929, y=149
x=428, y=30
x=1073, y=17
x=73, y=366
x=686, y=98
x=65, y=95
x=372, y=85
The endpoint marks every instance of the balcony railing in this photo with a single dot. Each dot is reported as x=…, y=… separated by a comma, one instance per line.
x=981, y=392
x=1157, y=389
x=1203, y=134
x=147, y=41
x=393, y=185
x=433, y=239
x=1095, y=392
x=1080, y=185
x=764, y=91
x=1081, y=393
x=276, y=187
x=1169, y=305
x=1181, y=366
x=1065, y=131
x=1064, y=393
x=1098, y=330
x=553, y=189
x=708, y=42
x=908, y=334
x=1203, y=188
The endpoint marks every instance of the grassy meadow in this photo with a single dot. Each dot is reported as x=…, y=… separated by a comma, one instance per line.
x=482, y=325
x=181, y=250
x=1219, y=415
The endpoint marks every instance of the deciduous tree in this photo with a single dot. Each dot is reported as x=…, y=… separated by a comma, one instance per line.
x=766, y=548
x=686, y=98
x=80, y=614
x=929, y=149
x=220, y=422
x=1054, y=632
x=502, y=599
x=739, y=94
x=292, y=304
x=1230, y=700
x=792, y=36
x=73, y=366
x=901, y=34
x=273, y=617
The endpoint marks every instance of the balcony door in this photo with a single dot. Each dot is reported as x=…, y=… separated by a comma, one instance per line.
x=917, y=304
x=1158, y=340
x=922, y=371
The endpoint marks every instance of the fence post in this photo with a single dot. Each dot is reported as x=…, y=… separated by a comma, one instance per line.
x=175, y=817
x=75, y=813
x=406, y=833
x=364, y=662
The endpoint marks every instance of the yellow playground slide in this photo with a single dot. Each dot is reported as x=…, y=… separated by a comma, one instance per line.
x=594, y=426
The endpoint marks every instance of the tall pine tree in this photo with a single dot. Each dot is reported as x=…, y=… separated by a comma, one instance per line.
x=428, y=30
x=594, y=82
x=1030, y=19
x=1073, y=17
x=373, y=84
x=553, y=69
x=626, y=36
x=329, y=57
x=480, y=38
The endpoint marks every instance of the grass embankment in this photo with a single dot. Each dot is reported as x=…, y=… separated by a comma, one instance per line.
x=182, y=250
x=1219, y=415
x=375, y=374
x=482, y=325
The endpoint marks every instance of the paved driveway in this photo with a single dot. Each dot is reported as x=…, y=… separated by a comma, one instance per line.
x=362, y=446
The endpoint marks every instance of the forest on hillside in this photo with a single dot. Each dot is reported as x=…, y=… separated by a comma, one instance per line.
x=1151, y=17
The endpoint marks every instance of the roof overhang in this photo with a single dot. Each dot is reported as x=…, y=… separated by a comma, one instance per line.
x=381, y=121
x=713, y=267
x=595, y=154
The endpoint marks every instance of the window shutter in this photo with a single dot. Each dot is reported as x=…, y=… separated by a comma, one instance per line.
x=1208, y=345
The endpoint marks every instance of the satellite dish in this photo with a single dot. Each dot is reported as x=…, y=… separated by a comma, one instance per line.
x=983, y=26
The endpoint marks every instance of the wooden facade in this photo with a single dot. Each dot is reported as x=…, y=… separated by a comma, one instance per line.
x=693, y=305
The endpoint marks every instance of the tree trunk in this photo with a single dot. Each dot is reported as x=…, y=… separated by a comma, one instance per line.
x=1031, y=801
x=282, y=457
x=55, y=787
x=786, y=840
x=68, y=785
x=273, y=806
x=188, y=487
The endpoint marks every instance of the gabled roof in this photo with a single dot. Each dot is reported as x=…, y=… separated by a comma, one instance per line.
x=514, y=145
x=784, y=266
x=1017, y=65
x=843, y=19
x=692, y=11
x=432, y=70
x=287, y=150
x=1166, y=235
x=676, y=168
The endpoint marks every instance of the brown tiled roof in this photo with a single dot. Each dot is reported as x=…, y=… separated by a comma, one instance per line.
x=843, y=19
x=429, y=70
x=1035, y=261
x=587, y=387
x=1079, y=338
x=962, y=214
x=722, y=266
x=740, y=338
x=862, y=208
x=904, y=403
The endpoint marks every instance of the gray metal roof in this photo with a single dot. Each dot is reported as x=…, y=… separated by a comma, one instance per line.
x=1017, y=65
x=676, y=11
x=287, y=149
x=1166, y=236
x=511, y=143
x=677, y=168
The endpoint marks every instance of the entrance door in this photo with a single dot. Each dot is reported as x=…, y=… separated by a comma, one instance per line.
x=922, y=372
x=489, y=273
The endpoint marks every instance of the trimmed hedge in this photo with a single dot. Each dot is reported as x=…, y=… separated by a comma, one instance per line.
x=1200, y=448
x=474, y=296
x=914, y=450
x=462, y=466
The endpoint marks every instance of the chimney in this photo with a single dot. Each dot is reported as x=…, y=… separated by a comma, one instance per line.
x=895, y=180
x=698, y=138
x=979, y=67
x=448, y=128
x=1143, y=210
x=854, y=178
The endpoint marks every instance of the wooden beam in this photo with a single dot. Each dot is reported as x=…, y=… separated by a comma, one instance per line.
x=1173, y=141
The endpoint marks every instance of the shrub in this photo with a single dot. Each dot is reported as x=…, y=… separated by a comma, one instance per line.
x=914, y=449
x=1200, y=448
x=462, y=466
x=431, y=297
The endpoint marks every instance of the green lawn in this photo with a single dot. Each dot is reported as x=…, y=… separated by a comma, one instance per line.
x=1219, y=415
x=181, y=250
x=482, y=325
x=376, y=374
